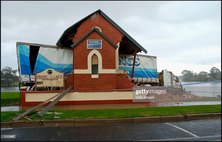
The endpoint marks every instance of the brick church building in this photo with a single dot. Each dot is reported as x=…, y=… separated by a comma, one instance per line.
x=96, y=42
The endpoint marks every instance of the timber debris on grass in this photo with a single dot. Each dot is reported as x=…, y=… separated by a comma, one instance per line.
x=41, y=113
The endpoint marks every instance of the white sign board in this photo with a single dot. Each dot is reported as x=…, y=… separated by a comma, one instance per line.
x=94, y=44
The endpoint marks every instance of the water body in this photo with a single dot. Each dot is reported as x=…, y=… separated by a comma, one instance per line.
x=212, y=89
x=10, y=89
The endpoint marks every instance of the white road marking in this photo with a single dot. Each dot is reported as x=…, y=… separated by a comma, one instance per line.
x=8, y=136
x=6, y=129
x=184, y=138
x=183, y=130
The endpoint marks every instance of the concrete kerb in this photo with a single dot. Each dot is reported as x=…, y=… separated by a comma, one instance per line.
x=90, y=122
x=152, y=119
x=199, y=116
x=6, y=124
x=215, y=115
x=174, y=118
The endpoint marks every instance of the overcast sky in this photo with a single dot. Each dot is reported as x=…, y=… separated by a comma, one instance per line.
x=183, y=35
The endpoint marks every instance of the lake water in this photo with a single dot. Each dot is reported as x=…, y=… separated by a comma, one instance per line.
x=211, y=89
x=10, y=89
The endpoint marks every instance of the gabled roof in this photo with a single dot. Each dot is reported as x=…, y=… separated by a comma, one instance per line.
x=63, y=42
x=94, y=29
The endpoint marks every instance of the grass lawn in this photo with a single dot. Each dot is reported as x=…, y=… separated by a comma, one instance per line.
x=9, y=95
x=12, y=102
x=201, y=99
x=117, y=113
x=9, y=98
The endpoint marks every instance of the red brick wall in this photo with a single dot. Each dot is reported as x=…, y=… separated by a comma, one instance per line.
x=84, y=82
x=81, y=53
x=69, y=80
x=107, y=28
x=123, y=81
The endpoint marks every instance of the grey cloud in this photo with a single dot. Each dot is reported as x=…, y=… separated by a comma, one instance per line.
x=165, y=29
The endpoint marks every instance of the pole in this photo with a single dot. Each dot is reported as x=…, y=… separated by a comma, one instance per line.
x=35, y=80
x=63, y=79
x=134, y=62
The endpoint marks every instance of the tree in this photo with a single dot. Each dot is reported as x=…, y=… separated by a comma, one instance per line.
x=202, y=76
x=187, y=75
x=8, y=74
x=203, y=73
x=214, y=72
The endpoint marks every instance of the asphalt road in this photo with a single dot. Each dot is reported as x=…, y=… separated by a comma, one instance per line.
x=196, y=130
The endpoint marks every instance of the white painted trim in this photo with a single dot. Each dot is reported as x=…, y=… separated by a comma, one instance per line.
x=108, y=71
x=81, y=96
x=98, y=28
x=86, y=71
x=117, y=57
x=82, y=71
x=96, y=52
x=95, y=76
x=89, y=69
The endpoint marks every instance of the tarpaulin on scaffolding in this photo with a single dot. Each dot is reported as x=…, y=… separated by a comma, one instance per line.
x=145, y=70
x=47, y=57
x=55, y=59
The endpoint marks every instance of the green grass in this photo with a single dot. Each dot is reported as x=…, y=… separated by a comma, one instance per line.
x=117, y=113
x=201, y=99
x=9, y=95
x=11, y=102
x=9, y=98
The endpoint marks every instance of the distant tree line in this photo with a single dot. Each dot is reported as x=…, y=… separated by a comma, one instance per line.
x=213, y=74
x=8, y=76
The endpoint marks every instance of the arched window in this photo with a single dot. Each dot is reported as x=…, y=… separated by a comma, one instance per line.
x=94, y=65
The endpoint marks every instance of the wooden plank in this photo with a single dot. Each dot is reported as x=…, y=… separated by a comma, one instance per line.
x=41, y=113
x=32, y=109
x=24, y=117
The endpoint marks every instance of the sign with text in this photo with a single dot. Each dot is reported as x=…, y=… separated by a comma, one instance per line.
x=49, y=77
x=94, y=44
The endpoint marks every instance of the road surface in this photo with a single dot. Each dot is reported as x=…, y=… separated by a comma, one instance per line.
x=196, y=130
